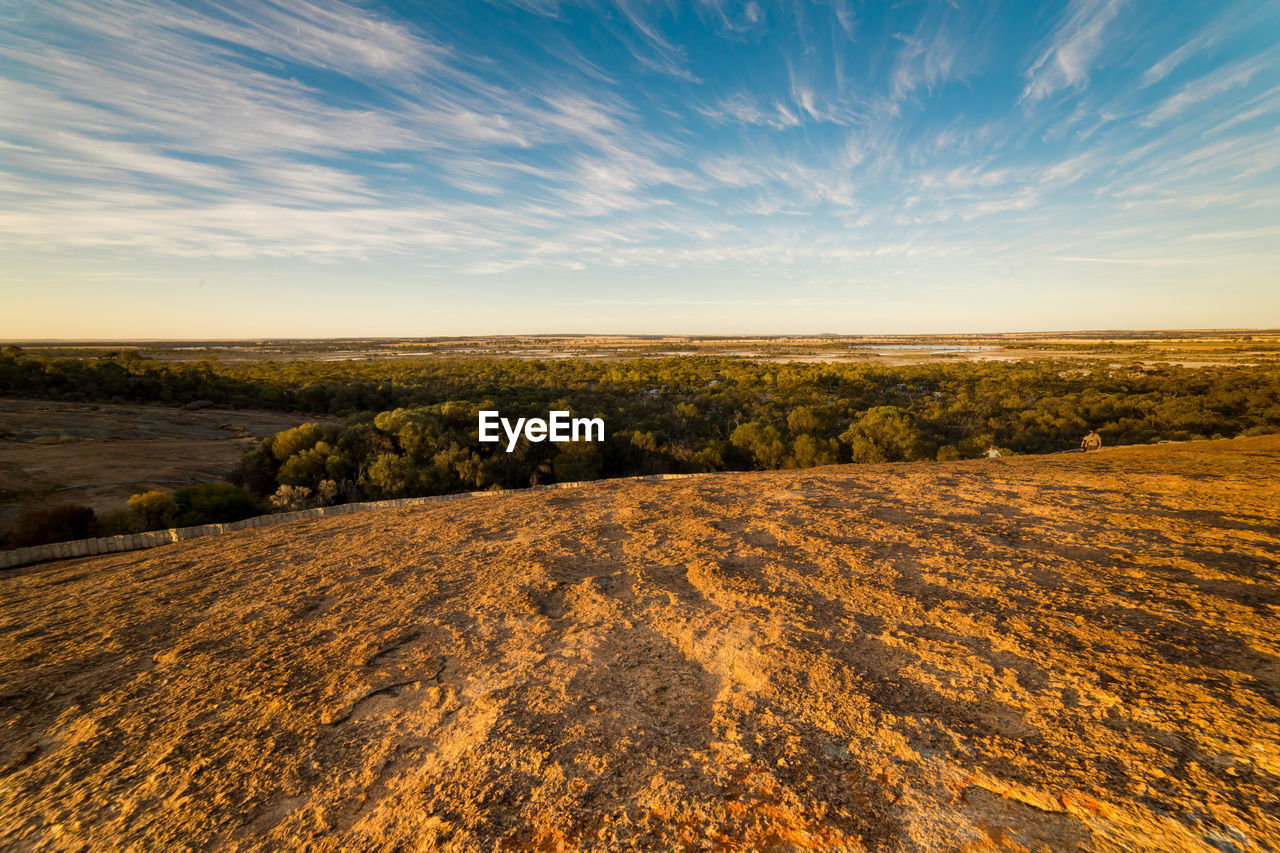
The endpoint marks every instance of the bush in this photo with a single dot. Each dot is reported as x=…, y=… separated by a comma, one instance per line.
x=42, y=525
x=288, y=498
x=883, y=434
x=295, y=440
x=577, y=462
x=155, y=509
x=810, y=452
x=212, y=503
x=119, y=522
x=256, y=470
x=303, y=468
x=763, y=442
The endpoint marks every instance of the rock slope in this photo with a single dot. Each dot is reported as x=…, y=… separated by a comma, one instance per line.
x=1040, y=653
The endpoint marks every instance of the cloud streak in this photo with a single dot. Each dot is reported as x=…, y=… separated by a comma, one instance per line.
x=1071, y=50
x=1234, y=76
x=522, y=142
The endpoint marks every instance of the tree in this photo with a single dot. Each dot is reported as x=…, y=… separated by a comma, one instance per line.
x=883, y=434
x=212, y=503
x=304, y=468
x=810, y=452
x=763, y=442
x=389, y=474
x=802, y=419
x=577, y=462
x=543, y=474
x=256, y=470
x=155, y=509
x=645, y=442
x=457, y=466
x=52, y=524
x=708, y=458
x=291, y=441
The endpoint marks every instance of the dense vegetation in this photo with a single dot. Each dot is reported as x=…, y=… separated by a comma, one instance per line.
x=410, y=426
x=201, y=503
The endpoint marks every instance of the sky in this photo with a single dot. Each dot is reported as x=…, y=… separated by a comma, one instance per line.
x=248, y=168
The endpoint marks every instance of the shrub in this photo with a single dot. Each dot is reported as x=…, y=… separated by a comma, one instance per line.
x=42, y=525
x=883, y=434
x=119, y=522
x=303, y=468
x=802, y=420
x=390, y=474
x=810, y=452
x=289, y=498
x=212, y=503
x=577, y=462
x=763, y=442
x=155, y=509
x=295, y=440
x=326, y=492
x=256, y=470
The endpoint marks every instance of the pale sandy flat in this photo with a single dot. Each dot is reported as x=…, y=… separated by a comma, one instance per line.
x=98, y=454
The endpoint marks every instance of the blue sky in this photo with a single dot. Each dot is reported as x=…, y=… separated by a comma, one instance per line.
x=193, y=169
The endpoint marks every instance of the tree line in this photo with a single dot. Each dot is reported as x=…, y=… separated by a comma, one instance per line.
x=409, y=427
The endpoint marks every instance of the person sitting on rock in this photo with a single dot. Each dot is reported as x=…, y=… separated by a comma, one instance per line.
x=1092, y=441
x=993, y=452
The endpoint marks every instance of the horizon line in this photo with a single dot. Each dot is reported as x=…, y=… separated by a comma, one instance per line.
x=261, y=339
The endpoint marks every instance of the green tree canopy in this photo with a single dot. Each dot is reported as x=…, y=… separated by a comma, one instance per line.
x=883, y=434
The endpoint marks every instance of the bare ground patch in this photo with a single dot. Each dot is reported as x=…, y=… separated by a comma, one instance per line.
x=100, y=454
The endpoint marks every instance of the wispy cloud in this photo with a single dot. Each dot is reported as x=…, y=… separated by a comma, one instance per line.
x=646, y=42
x=800, y=142
x=1066, y=58
x=1173, y=59
x=174, y=132
x=1234, y=76
x=1233, y=19
x=1141, y=262
x=939, y=48
x=743, y=108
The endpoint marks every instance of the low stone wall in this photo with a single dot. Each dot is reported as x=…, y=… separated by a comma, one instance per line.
x=155, y=538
